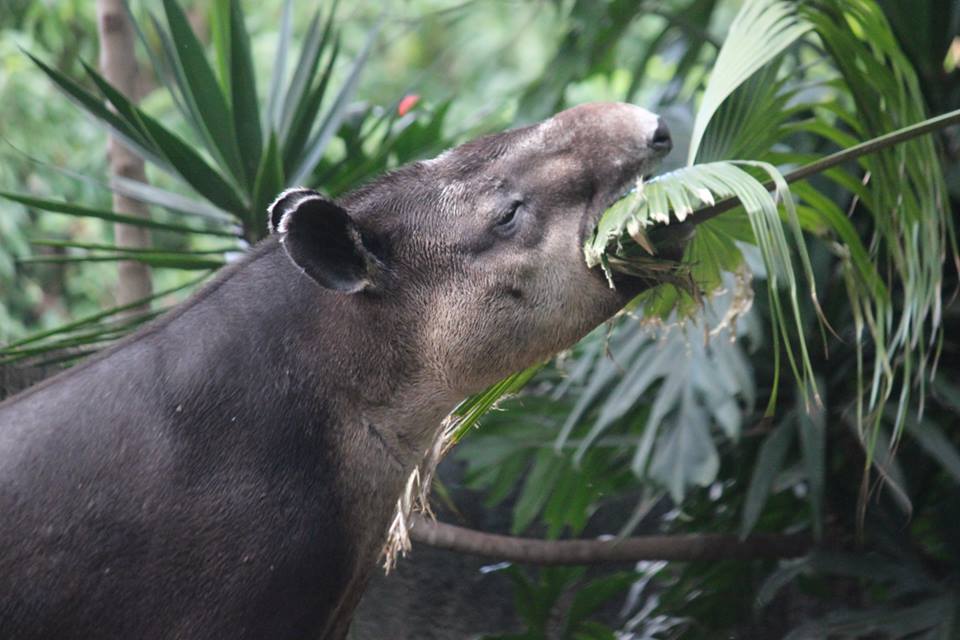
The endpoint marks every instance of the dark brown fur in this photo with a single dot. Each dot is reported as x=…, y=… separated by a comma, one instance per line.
x=230, y=470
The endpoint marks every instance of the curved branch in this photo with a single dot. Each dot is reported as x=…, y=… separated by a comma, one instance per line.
x=680, y=547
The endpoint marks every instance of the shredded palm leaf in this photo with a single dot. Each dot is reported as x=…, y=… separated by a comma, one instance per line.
x=674, y=197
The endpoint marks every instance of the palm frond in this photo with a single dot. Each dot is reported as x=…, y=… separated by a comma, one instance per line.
x=56, y=206
x=43, y=343
x=675, y=196
x=901, y=189
x=468, y=412
x=761, y=31
x=750, y=114
x=335, y=115
x=906, y=200
x=203, y=93
x=232, y=155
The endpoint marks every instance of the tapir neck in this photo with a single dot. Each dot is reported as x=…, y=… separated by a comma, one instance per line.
x=353, y=357
x=339, y=399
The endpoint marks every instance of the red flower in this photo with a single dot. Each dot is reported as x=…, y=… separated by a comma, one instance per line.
x=407, y=103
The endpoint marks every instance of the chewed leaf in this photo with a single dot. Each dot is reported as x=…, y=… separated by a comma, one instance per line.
x=676, y=196
x=610, y=227
x=636, y=232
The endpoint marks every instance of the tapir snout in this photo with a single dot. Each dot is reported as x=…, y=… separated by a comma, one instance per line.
x=634, y=130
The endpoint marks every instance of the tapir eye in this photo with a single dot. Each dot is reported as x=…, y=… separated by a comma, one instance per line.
x=507, y=219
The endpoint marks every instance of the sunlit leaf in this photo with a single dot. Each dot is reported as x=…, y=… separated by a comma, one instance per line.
x=202, y=90
x=761, y=31
x=335, y=113
x=243, y=94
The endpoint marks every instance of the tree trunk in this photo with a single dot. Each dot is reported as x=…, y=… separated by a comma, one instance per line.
x=119, y=65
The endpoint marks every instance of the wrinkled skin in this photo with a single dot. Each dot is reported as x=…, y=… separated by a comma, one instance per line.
x=499, y=297
x=230, y=470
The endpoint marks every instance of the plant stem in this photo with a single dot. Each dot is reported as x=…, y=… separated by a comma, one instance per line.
x=828, y=162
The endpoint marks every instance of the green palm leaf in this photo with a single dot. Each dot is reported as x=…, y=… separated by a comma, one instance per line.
x=245, y=156
x=903, y=193
x=56, y=206
x=241, y=85
x=153, y=259
x=202, y=91
x=762, y=30
x=749, y=115
x=272, y=113
x=745, y=94
x=186, y=161
x=675, y=196
x=43, y=342
x=473, y=408
x=130, y=133
x=314, y=44
x=317, y=144
x=98, y=246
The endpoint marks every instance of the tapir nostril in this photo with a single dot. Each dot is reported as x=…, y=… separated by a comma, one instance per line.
x=661, y=140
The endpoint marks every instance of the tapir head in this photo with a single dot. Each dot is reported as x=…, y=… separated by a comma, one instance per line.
x=481, y=248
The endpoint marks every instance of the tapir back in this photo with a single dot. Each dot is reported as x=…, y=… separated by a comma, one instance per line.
x=152, y=492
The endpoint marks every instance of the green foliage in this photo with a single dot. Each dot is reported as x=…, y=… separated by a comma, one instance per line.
x=828, y=89
x=919, y=605
x=541, y=603
x=684, y=456
x=35, y=118
x=762, y=31
x=686, y=190
x=518, y=462
x=232, y=155
x=223, y=113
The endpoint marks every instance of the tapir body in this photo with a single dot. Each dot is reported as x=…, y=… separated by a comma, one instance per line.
x=230, y=470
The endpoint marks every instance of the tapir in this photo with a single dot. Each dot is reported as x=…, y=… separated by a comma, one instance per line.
x=230, y=470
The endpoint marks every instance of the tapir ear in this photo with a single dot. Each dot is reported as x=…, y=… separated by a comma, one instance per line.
x=285, y=203
x=322, y=239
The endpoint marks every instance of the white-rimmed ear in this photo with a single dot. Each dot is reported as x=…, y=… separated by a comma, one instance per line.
x=322, y=239
x=286, y=201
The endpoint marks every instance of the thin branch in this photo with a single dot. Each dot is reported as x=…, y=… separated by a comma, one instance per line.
x=828, y=162
x=680, y=547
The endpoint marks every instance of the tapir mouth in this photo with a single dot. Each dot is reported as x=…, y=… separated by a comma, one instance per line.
x=608, y=197
x=627, y=286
